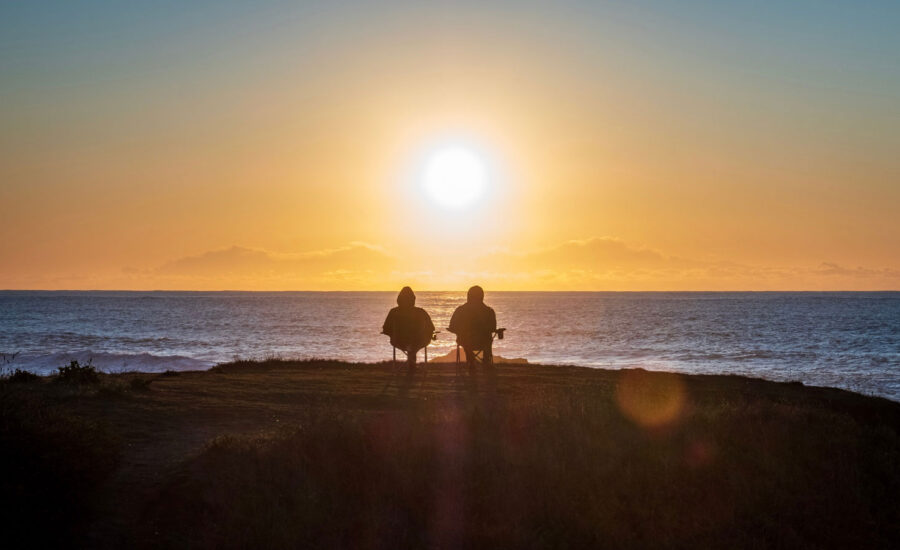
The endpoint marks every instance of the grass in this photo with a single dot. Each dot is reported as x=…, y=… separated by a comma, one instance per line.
x=51, y=466
x=324, y=454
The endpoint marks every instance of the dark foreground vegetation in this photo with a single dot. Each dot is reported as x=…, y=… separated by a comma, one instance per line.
x=333, y=455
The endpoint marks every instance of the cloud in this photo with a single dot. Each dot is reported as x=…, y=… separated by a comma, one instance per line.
x=217, y=262
x=597, y=263
x=354, y=266
x=255, y=262
x=595, y=254
x=836, y=270
x=606, y=263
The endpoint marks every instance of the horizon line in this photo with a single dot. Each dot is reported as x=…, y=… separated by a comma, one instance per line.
x=439, y=290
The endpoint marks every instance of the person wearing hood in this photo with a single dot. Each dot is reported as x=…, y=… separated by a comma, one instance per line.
x=474, y=324
x=409, y=327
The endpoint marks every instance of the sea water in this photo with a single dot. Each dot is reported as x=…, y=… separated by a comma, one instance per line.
x=842, y=339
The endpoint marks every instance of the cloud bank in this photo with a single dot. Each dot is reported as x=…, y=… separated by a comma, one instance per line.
x=352, y=267
x=596, y=263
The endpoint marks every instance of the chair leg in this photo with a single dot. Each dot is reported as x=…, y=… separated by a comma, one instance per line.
x=394, y=368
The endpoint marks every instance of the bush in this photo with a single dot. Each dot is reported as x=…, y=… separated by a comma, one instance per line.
x=20, y=376
x=73, y=373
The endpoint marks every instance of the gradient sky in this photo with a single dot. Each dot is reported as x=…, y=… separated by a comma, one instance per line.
x=275, y=145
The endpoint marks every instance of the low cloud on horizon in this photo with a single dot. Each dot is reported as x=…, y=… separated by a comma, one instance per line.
x=596, y=263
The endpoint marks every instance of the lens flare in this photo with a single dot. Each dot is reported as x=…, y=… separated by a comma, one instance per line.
x=650, y=399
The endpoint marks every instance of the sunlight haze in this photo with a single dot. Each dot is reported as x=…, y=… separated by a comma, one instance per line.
x=369, y=145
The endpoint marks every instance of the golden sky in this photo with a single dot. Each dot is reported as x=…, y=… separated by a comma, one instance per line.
x=627, y=146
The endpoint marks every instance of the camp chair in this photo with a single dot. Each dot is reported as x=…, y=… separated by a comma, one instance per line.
x=399, y=367
x=404, y=352
x=478, y=354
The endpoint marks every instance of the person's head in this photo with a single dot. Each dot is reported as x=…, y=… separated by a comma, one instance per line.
x=475, y=295
x=406, y=298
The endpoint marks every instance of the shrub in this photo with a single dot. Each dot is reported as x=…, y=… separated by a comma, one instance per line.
x=73, y=373
x=19, y=376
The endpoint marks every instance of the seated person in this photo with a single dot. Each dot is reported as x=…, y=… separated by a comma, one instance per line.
x=409, y=327
x=474, y=324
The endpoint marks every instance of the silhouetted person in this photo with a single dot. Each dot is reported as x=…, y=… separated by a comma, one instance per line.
x=409, y=327
x=474, y=324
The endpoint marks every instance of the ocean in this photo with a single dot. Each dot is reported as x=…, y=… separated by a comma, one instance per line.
x=849, y=340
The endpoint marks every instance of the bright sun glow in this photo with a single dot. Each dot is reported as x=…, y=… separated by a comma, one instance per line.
x=454, y=177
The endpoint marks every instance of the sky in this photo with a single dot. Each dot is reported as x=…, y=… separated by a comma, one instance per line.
x=639, y=145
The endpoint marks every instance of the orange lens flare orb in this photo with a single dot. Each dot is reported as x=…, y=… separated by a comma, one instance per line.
x=651, y=399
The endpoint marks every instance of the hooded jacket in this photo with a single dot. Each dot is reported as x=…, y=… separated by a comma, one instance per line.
x=408, y=325
x=473, y=322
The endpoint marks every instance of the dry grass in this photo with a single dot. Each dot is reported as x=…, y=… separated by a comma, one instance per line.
x=327, y=454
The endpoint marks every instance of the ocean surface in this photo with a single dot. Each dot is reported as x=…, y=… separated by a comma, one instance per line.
x=843, y=339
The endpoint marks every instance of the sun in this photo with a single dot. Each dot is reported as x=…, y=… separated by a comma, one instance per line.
x=454, y=177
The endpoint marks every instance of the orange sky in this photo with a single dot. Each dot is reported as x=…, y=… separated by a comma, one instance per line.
x=627, y=150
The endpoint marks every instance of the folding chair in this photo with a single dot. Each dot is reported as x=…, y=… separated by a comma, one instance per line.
x=478, y=355
x=395, y=348
x=398, y=367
